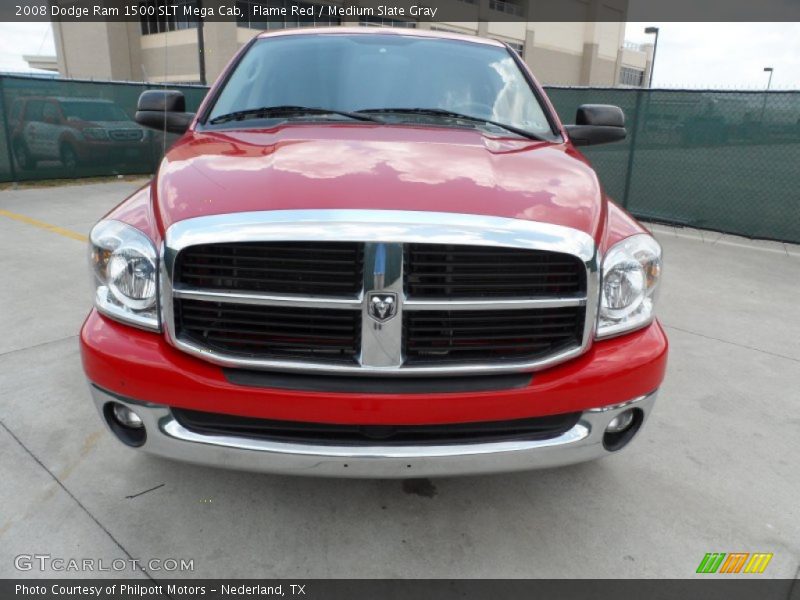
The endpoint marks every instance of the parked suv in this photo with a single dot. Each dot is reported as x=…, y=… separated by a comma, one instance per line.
x=374, y=253
x=75, y=131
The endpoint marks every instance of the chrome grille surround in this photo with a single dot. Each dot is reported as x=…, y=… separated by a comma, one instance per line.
x=126, y=135
x=381, y=343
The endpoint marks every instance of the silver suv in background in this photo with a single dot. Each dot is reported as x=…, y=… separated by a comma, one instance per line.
x=75, y=132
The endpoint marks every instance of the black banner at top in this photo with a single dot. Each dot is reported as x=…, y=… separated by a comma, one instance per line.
x=381, y=11
x=412, y=589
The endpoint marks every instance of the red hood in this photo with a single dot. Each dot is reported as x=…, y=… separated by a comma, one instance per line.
x=377, y=167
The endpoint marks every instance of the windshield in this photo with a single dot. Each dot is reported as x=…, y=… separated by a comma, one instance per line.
x=374, y=71
x=93, y=111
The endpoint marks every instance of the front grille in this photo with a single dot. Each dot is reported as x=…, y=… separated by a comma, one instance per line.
x=126, y=135
x=436, y=337
x=274, y=267
x=454, y=271
x=313, y=306
x=329, y=335
x=538, y=428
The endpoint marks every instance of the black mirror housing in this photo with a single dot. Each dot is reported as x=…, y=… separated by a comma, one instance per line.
x=164, y=110
x=597, y=124
x=604, y=115
x=162, y=100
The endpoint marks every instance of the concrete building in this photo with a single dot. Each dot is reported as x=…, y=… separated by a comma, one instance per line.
x=636, y=62
x=166, y=49
x=41, y=62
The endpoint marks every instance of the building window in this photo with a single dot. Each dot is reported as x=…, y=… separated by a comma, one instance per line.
x=249, y=16
x=160, y=16
x=630, y=76
x=504, y=6
x=515, y=46
x=633, y=46
x=381, y=22
x=518, y=48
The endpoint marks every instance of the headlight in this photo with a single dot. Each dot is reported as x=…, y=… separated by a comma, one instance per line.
x=95, y=133
x=631, y=271
x=125, y=274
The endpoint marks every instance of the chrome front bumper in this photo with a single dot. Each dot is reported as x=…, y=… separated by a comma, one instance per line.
x=168, y=438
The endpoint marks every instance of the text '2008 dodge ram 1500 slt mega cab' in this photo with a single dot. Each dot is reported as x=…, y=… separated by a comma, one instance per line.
x=374, y=253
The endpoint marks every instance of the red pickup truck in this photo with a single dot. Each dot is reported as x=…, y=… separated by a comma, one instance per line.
x=374, y=253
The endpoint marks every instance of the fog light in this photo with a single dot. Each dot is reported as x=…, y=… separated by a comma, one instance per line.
x=126, y=417
x=621, y=422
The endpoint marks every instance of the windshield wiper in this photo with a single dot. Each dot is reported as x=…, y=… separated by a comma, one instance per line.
x=266, y=112
x=449, y=114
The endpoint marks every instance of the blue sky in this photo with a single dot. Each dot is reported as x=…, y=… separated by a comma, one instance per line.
x=711, y=55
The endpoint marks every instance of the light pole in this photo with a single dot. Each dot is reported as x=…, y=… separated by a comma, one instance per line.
x=652, y=30
x=201, y=46
x=769, y=83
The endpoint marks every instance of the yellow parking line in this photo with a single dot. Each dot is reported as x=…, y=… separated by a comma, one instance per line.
x=52, y=228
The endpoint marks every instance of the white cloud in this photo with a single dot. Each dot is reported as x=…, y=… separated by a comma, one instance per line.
x=723, y=55
x=17, y=39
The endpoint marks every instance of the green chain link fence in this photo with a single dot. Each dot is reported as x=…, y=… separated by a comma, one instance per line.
x=55, y=128
x=721, y=160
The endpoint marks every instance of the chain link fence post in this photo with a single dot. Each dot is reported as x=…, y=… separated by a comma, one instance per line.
x=637, y=113
x=7, y=132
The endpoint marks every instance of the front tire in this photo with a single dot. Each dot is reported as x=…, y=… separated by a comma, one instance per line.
x=23, y=156
x=69, y=158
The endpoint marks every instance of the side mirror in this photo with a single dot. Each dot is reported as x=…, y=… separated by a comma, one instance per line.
x=164, y=110
x=597, y=124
